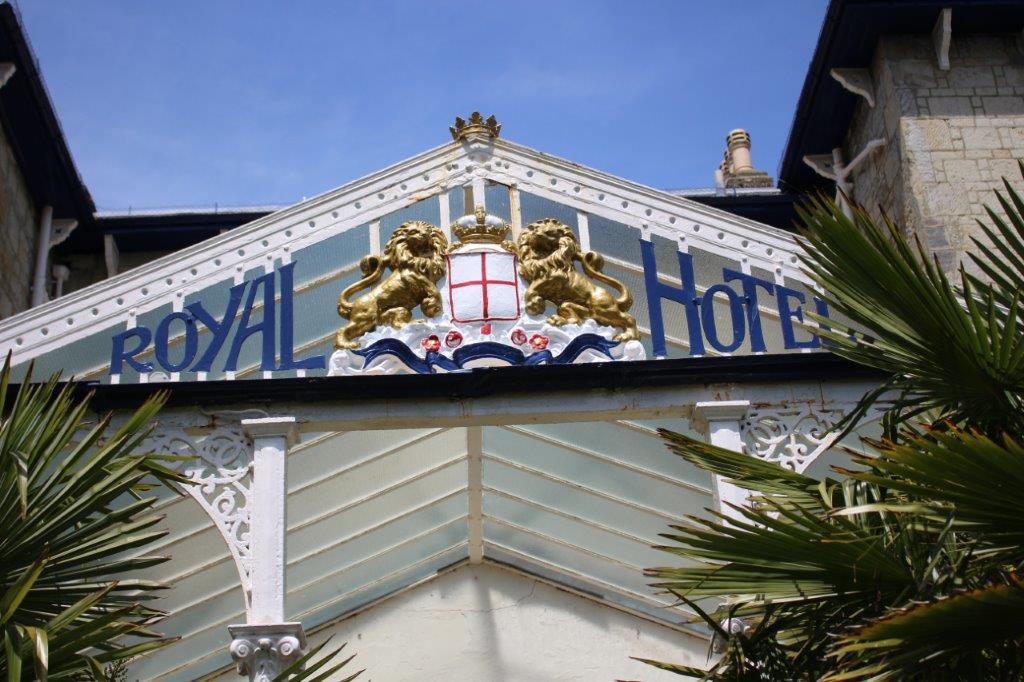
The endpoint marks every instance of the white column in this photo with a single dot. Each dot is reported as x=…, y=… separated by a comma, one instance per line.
x=271, y=438
x=267, y=644
x=720, y=422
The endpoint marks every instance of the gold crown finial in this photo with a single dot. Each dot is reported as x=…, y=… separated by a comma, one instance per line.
x=475, y=126
x=481, y=228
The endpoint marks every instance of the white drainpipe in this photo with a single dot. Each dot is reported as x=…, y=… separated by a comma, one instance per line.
x=42, y=255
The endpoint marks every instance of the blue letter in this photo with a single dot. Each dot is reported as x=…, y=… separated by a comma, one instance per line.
x=687, y=295
x=219, y=329
x=786, y=316
x=191, y=341
x=288, y=326
x=118, y=355
x=265, y=327
x=750, y=285
x=707, y=315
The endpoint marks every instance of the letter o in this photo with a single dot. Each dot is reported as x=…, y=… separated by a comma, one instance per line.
x=161, y=340
x=707, y=317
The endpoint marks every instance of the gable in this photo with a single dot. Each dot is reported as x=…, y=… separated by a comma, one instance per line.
x=318, y=243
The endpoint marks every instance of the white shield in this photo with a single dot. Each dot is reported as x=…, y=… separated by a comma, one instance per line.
x=483, y=286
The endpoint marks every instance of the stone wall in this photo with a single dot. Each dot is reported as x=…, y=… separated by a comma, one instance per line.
x=18, y=230
x=950, y=137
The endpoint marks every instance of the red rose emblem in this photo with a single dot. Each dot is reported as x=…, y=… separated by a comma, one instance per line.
x=452, y=339
x=539, y=341
x=486, y=329
x=431, y=343
x=518, y=337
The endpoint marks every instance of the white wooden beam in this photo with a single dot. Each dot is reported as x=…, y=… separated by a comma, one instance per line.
x=474, y=449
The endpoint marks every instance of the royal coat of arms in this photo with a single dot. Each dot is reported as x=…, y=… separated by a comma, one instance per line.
x=486, y=301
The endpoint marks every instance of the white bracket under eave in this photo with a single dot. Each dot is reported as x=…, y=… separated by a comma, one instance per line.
x=7, y=70
x=857, y=81
x=61, y=230
x=941, y=35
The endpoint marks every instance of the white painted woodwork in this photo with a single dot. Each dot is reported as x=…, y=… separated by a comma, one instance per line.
x=721, y=422
x=271, y=438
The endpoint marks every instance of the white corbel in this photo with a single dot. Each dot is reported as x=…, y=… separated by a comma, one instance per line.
x=111, y=254
x=721, y=423
x=942, y=34
x=62, y=229
x=832, y=167
x=7, y=70
x=857, y=81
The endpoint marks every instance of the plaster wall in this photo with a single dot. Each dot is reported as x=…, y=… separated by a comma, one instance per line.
x=18, y=231
x=487, y=624
x=950, y=136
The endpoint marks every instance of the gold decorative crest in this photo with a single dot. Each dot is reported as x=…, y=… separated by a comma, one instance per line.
x=548, y=252
x=415, y=255
x=475, y=126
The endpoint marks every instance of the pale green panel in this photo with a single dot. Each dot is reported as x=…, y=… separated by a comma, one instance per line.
x=431, y=500
x=373, y=475
x=673, y=315
x=674, y=615
x=86, y=358
x=346, y=577
x=498, y=201
x=626, y=577
x=335, y=555
x=427, y=210
x=574, y=501
x=578, y=469
x=456, y=202
x=570, y=531
x=621, y=444
x=384, y=585
x=614, y=239
x=204, y=646
x=324, y=454
x=708, y=267
x=533, y=207
x=325, y=257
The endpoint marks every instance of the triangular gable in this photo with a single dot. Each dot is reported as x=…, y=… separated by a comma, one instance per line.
x=73, y=333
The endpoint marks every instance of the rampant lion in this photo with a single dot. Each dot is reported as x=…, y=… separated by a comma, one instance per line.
x=415, y=254
x=548, y=252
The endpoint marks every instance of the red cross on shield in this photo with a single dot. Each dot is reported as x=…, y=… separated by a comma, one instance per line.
x=483, y=286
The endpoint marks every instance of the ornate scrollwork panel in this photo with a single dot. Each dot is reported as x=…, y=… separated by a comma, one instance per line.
x=791, y=436
x=221, y=475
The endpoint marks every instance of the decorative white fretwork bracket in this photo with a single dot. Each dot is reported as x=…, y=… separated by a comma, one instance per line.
x=221, y=475
x=793, y=436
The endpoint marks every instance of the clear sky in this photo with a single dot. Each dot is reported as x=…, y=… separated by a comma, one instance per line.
x=192, y=103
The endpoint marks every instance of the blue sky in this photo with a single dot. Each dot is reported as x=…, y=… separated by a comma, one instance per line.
x=192, y=103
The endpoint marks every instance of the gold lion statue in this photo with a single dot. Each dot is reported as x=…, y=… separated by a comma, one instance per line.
x=415, y=254
x=548, y=252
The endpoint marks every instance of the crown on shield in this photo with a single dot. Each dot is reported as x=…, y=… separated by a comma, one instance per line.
x=481, y=228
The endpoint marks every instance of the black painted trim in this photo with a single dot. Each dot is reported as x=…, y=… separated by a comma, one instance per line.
x=479, y=383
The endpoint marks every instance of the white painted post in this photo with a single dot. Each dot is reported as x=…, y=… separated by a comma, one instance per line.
x=720, y=422
x=267, y=644
x=271, y=438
